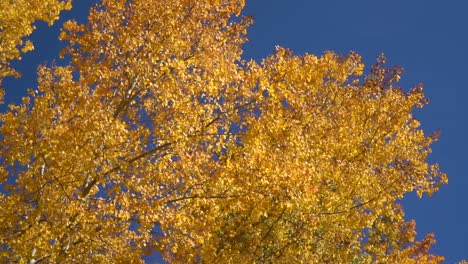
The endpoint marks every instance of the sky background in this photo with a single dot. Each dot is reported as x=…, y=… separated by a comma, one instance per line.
x=427, y=37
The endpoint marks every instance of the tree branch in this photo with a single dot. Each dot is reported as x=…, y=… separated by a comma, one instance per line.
x=88, y=185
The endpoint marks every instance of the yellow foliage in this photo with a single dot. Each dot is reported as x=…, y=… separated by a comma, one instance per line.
x=169, y=142
x=17, y=19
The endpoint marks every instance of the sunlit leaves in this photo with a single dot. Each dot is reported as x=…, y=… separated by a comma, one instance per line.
x=17, y=19
x=167, y=141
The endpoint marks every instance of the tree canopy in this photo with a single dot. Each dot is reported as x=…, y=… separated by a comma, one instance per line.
x=159, y=138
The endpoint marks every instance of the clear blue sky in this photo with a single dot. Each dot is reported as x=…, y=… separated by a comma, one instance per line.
x=429, y=38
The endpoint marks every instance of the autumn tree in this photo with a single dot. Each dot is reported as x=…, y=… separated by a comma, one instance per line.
x=159, y=138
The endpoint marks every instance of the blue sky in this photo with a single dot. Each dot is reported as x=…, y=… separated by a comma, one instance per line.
x=429, y=38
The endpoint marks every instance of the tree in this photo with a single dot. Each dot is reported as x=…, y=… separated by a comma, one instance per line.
x=158, y=137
